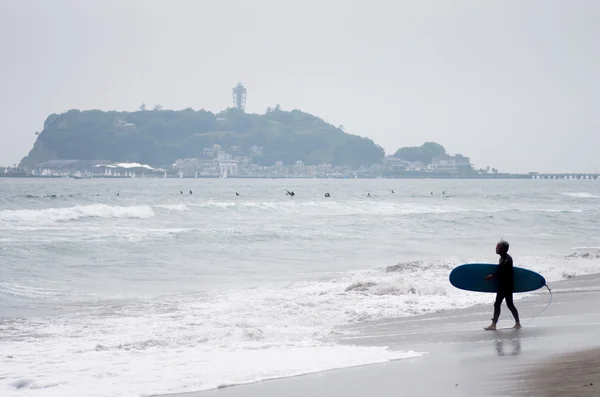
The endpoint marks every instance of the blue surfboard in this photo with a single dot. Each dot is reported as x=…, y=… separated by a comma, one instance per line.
x=471, y=277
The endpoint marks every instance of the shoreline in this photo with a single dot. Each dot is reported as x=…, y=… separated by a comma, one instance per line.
x=411, y=177
x=465, y=359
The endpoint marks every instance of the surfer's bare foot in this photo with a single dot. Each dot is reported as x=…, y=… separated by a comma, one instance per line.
x=517, y=326
x=491, y=327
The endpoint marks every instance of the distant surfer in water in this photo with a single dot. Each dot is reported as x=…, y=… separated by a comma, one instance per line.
x=504, y=275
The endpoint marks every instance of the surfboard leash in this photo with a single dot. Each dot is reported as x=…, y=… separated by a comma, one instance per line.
x=543, y=310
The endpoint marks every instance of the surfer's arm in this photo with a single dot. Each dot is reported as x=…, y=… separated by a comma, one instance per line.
x=495, y=274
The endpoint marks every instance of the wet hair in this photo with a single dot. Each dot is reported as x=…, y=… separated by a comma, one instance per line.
x=503, y=245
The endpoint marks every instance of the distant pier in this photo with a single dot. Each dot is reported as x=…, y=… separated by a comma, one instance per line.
x=564, y=176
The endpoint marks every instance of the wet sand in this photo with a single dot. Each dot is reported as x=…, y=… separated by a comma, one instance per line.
x=573, y=374
x=555, y=355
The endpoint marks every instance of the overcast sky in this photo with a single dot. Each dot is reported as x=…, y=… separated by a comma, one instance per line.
x=512, y=84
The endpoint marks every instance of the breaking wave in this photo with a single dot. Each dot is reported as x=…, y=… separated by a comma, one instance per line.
x=368, y=207
x=51, y=215
x=174, y=207
x=63, y=214
x=213, y=338
x=579, y=195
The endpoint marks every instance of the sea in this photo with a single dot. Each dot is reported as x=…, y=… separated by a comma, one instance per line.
x=132, y=287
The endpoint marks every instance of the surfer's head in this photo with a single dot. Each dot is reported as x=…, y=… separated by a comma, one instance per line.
x=502, y=247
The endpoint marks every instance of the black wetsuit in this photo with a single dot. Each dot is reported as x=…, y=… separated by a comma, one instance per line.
x=504, y=275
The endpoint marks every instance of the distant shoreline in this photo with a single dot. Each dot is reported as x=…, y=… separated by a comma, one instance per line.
x=413, y=176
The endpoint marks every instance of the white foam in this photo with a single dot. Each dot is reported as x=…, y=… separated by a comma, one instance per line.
x=554, y=210
x=51, y=215
x=174, y=207
x=365, y=207
x=216, y=204
x=556, y=268
x=191, y=368
x=579, y=195
x=25, y=291
x=154, y=354
x=202, y=341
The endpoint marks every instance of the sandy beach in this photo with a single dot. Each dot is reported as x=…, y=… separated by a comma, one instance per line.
x=574, y=374
x=557, y=354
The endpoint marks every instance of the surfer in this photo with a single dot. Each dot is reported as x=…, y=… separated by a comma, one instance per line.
x=504, y=275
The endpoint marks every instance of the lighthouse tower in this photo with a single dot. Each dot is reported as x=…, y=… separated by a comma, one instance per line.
x=239, y=97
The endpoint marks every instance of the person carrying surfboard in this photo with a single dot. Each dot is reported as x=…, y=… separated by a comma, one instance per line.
x=504, y=275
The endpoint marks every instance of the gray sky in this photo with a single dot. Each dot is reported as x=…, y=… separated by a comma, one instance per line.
x=512, y=84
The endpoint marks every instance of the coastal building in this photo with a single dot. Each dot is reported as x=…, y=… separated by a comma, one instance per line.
x=450, y=164
x=219, y=162
x=324, y=170
x=228, y=168
x=223, y=156
x=188, y=167
x=279, y=168
x=123, y=124
x=299, y=168
x=212, y=151
x=77, y=165
x=91, y=168
x=312, y=170
x=394, y=164
x=125, y=169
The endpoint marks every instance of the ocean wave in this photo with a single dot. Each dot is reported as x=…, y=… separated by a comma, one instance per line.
x=552, y=210
x=227, y=337
x=51, y=215
x=366, y=207
x=198, y=368
x=579, y=195
x=29, y=292
x=174, y=207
